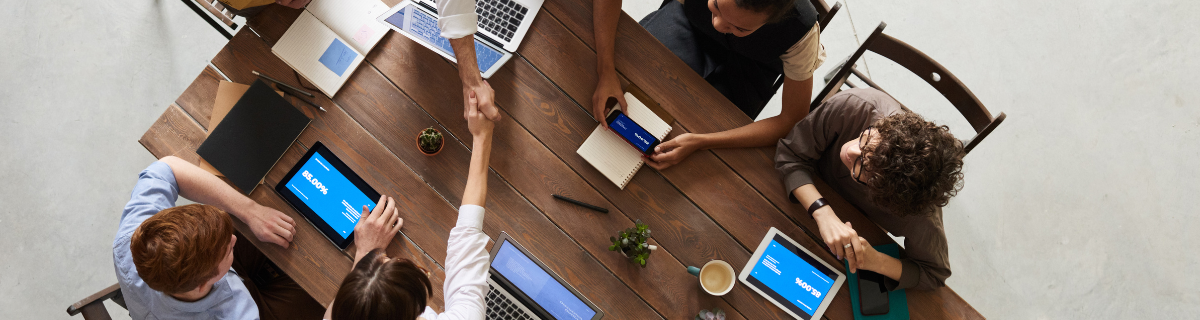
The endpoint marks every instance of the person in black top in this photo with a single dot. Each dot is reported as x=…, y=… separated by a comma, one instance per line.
x=740, y=47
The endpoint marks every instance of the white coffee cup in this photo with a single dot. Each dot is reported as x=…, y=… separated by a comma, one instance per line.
x=716, y=277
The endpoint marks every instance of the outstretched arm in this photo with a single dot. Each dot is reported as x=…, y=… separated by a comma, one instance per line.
x=605, y=14
x=268, y=225
x=796, y=97
x=481, y=136
x=457, y=20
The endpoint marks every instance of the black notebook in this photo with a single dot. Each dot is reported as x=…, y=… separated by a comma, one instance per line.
x=253, y=136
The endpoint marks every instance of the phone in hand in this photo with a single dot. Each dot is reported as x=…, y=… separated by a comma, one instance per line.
x=633, y=133
x=872, y=294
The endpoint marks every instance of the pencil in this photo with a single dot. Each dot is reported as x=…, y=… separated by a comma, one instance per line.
x=580, y=203
x=303, y=99
x=298, y=90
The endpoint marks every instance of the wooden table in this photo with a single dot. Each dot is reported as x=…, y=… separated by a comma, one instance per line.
x=715, y=205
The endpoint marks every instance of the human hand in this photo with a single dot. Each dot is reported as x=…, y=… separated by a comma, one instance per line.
x=377, y=227
x=837, y=235
x=673, y=151
x=479, y=124
x=868, y=257
x=607, y=86
x=294, y=4
x=270, y=225
x=485, y=99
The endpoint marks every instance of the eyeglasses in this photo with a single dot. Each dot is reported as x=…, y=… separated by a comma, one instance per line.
x=858, y=162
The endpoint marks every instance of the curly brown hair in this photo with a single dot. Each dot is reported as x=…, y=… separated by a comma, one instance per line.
x=915, y=167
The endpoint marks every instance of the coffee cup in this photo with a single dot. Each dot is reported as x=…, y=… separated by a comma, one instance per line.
x=716, y=277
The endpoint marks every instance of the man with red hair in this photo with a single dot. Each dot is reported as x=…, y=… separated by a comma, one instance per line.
x=175, y=262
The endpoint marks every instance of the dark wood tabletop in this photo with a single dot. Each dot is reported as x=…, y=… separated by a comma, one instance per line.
x=714, y=205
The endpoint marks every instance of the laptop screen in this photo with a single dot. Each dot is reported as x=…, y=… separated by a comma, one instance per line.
x=536, y=283
x=424, y=27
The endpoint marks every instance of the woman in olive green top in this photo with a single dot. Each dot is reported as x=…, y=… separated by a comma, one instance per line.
x=891, y=164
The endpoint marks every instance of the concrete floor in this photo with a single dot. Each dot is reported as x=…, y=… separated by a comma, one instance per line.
x=1077, y=207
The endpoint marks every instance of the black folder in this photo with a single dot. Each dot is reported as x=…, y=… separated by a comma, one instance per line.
x=253, y=136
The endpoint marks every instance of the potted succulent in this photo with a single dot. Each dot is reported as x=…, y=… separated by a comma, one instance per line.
x=634, y=243
x=430, y=141
x=715, y=314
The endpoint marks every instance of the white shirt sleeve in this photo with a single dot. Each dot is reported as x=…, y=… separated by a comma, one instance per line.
x=456, y=18
x=803, y=58
x=466, y=268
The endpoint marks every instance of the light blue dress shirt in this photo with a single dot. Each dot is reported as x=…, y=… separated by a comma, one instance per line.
x=156, y=190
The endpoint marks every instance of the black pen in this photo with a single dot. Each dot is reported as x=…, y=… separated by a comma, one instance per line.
x=283, y=84
x=302, y=99
x=580, y=203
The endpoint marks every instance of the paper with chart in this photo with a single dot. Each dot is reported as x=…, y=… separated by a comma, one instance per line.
x=317, y=53
x=612, y=155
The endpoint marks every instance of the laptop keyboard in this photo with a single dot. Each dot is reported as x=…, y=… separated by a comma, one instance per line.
x=500, y=17
x=501, y=307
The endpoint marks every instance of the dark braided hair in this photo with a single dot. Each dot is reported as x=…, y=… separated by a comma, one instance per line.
x=915, y=167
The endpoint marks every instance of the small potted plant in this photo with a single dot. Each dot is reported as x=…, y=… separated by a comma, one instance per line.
x=633, y=243
x=715, y=314
x=430, y=141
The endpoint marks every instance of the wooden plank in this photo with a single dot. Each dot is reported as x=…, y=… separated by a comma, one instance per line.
x=519, y=160
x=197, y=100
x=531, y=105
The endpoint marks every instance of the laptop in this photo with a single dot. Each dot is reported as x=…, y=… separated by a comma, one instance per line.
x=521, y=287
x=502, y=25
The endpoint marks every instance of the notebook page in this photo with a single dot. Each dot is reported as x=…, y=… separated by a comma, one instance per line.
x=638, y=112
x=352, y=20
x=611, y=155
x=317, y=53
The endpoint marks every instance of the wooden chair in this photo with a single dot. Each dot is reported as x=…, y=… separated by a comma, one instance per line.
x=225, y=26
x=825, y=13
x=924, y=67
x=93, y=308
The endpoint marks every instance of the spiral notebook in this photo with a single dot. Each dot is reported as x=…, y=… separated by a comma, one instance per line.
x=614, y=157
x=330, y=39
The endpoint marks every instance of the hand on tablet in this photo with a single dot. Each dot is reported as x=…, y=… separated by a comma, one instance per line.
x=270, y=225
x=377, y=227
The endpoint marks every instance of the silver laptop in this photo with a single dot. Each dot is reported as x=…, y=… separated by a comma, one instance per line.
x=506, y=21
x=502, y=24
x=522, y=288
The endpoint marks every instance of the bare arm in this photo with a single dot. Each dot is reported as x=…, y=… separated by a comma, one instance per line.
x=472, y=81
x=269, y=225
x=605, y=14
x=481, y=136
x=796, y=98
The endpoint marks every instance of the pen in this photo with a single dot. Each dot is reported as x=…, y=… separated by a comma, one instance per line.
x=580, y=203
x=283, y=84
x=303, y=99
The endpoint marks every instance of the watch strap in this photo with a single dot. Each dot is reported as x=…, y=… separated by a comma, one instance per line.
x=817, y=205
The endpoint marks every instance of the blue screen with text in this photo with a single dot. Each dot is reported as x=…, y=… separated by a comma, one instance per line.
x=328, y=193
x=632, y=132
x=539, y=285
x=792, y=275
x=424, y=26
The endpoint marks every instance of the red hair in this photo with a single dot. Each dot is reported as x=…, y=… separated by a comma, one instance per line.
x=179, y=249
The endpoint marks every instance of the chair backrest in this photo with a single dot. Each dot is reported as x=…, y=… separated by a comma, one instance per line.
x=224, y=17
x=825, y=12
x=93, y=308
x=926, y=68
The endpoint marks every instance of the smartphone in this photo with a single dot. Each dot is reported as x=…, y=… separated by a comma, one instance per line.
x=633, y=133
x=872, y=294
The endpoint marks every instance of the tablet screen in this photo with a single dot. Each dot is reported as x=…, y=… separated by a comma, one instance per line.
x=328, y=193
x=424, y=27
x=790, y=275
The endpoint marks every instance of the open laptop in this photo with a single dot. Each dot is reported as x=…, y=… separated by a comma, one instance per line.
x=521, y=287
x=502, y=25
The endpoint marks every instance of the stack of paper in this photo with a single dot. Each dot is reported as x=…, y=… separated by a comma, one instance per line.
x=330, y=39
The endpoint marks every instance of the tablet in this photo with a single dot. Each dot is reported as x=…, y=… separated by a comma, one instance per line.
x=327, y=193
x=417, y=21
x=791, y=277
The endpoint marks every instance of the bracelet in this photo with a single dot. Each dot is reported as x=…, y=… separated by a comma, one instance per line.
x=816, y=205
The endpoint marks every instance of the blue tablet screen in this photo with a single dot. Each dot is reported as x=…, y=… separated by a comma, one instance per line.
x=424, y=27
x=328, y=193
x=792, y=277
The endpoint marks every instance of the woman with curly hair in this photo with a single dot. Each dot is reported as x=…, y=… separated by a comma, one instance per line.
x=890, y=163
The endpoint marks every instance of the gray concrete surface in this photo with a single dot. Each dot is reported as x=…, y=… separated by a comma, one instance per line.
x=1080, y=206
